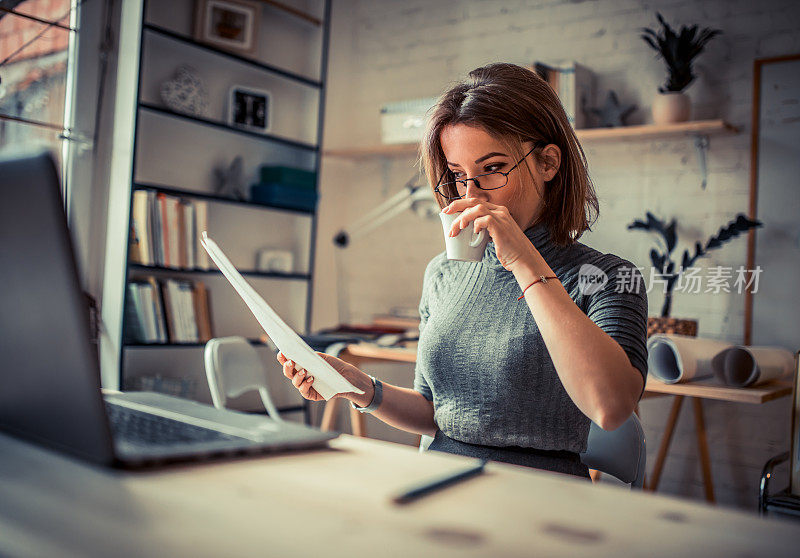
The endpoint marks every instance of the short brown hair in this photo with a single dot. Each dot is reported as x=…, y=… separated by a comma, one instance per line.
x=514, y=105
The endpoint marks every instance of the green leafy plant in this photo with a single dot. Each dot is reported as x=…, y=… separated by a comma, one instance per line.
x=662, y=260
x=678, y=51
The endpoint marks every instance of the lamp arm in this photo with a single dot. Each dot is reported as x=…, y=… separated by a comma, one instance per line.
x=396, y=204
x=363, y=228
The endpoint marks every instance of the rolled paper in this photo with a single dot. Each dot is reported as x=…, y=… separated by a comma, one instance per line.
x=744, y=366
x=673, y=358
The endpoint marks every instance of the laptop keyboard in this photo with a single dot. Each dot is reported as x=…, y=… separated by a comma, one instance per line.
x=146, y=429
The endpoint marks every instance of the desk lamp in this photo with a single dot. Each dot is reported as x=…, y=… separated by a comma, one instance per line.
x=418, y=198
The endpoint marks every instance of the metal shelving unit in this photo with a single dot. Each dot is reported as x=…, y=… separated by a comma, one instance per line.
x=132, y=269
x=222, y=126
x=218, y=199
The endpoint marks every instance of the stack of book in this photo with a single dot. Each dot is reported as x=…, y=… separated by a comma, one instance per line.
x=286, y=187
x=167, y=311
x=165, y=231
x=575, y=86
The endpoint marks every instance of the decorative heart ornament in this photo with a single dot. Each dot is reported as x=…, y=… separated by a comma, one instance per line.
x=185, y=92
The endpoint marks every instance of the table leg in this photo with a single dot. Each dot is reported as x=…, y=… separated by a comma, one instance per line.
x=329, y=414
x=702, y=446
x=357, y=423
x=357, y=420
x=665, y=441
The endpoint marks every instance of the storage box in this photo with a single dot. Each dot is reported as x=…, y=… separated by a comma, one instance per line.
x=288, y=175
x=404, y=121
x=284, y=195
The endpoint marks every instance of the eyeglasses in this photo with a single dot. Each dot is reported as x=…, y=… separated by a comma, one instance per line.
x=457, y=189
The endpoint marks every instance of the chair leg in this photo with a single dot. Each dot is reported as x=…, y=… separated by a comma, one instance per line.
x=329, y=414
x=357, y=423
x=665, y=441
x=702, y=446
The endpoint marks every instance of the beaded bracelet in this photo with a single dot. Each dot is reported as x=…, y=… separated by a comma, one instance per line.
x=541, y=279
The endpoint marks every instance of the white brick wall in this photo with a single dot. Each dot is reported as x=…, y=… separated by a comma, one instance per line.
x=383, y=51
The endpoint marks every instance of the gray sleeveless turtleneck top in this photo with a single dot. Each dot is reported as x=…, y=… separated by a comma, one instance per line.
x=482, y=361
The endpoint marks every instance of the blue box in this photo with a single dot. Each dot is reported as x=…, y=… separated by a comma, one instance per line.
x=288, y=175
x=284, y=195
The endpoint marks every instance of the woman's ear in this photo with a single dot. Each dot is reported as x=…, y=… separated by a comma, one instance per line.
x=551, y=155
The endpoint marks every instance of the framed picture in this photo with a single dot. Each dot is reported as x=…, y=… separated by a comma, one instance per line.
x=228, y=24
x=249, y=108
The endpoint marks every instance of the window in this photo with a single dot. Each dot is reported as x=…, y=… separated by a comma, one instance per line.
x=37, y=39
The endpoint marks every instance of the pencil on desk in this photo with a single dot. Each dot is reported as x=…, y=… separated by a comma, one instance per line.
x=438, y=483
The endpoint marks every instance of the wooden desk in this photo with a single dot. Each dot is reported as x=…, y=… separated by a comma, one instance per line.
x=335, y=502
x=697, y=391
x=358, y=354
x=361, y=354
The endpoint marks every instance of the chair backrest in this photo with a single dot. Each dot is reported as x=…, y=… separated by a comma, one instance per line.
x=620, y=453
x=233, y=368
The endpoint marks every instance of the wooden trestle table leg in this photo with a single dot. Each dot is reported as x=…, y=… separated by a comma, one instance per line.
x=665, y=441
x=702, y=446
x=329, y=414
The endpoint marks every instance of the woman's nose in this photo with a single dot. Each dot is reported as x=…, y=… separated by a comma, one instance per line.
x=473, y=191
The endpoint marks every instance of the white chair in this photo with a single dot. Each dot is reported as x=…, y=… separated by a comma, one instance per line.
x=620, y=453
x=233, y=367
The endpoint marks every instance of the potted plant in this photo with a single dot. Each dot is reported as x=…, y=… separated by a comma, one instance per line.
x=662, y=261
x=678, y=51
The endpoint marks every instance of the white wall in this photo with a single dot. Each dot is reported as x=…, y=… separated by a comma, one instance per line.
x=383, y=51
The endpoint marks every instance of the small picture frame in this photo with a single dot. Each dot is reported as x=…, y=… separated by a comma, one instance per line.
x=250, y=108
x=228, y=24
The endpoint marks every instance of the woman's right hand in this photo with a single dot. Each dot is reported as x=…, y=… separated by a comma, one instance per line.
x=304, y=382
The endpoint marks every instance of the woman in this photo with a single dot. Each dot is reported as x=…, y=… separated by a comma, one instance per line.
x=511, y=367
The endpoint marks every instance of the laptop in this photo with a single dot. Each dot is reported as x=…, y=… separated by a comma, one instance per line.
x=49, y=372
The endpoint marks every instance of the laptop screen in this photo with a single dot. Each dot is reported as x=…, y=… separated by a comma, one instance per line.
x=49, y=375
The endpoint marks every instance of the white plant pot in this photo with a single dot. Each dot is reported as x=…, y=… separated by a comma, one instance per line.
x=671, y=107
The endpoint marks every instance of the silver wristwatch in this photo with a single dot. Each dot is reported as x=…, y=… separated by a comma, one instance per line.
x=376, y=398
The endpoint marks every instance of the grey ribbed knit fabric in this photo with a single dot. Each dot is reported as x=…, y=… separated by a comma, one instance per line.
x=482, y=361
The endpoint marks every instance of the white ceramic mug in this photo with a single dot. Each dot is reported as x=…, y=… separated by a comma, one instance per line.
x=466, y=245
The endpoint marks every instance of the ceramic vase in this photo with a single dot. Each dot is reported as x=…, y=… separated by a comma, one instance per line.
x=671, y=107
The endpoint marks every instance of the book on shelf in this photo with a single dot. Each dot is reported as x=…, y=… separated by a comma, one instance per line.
x=189, y=232
x=575, y=86
x=547, y=73
x=180, y=231
x=200, y=224
x=143, y=315
x=202, y=311
x=167, y=311
x=163, y=221
x=164, y=231
x=134, y=324
x=141, y=249
x=134, y=249
x=179, y=310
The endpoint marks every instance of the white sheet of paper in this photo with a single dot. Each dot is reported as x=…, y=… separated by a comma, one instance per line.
x=327, y=381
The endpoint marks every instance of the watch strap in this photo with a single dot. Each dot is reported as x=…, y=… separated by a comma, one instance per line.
x=376, y=398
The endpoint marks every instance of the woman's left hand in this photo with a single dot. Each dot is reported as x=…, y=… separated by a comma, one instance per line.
x=511, y=244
